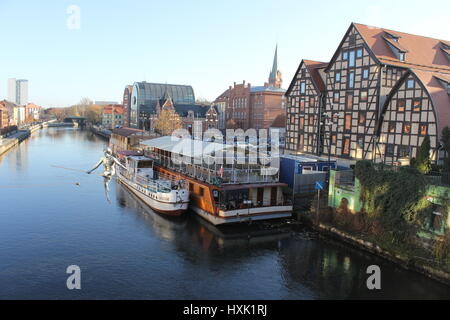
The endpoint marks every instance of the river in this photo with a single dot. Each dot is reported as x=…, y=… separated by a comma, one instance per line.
x=53, y=215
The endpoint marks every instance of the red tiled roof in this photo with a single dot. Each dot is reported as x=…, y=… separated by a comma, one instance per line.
x=439, y=95
x=422, y=52
x=118, y=109
x=313, y=69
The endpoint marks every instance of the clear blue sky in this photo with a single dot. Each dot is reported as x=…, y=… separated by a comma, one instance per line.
x=208, y=44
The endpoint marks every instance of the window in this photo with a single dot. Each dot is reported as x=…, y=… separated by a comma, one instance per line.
x=302, y=105
x=191, y=187
x=403, y=151
x=333, y=139
x=292, y=120
x=351, y=79
x=346, y=149
x=337, y=77
x=345, y=55
x=362, y=118
x=303, y=73
x=410, y=84
x=361, y=141
x=302, y=123
x=417, y=105
x=336, y=97
x=401, y=56
x=407, y=128
x=363, y=95
x=401, y=103
x=312, y=101
x=351, y=58
x=348, y=122
x=390, y=150
x=365, y=73
x=391, y=127
x=359, y=53
x=202, y=191
x=349, y=101
x=423, y=129
x=302, y=87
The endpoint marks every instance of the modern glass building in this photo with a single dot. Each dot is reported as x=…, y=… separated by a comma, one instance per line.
x=145, y=96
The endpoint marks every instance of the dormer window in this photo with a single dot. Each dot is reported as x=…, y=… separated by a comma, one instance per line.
x=445, y=82
x=398, y=49
x=392, y=36
x=445, y=46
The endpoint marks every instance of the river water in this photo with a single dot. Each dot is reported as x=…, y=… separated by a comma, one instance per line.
x=53, y=215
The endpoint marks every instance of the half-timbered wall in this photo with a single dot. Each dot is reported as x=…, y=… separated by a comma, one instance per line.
x=352, y=97
x=408, y=118
x=303, y=114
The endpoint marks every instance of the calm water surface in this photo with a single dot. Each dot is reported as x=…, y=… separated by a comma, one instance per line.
x=126, y=251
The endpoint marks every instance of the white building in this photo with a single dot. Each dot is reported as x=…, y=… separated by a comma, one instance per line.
x=18, y=91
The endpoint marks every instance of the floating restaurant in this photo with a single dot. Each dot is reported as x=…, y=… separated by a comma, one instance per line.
x=224, y=189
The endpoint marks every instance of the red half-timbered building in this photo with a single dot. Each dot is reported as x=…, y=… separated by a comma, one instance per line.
x=377, y=79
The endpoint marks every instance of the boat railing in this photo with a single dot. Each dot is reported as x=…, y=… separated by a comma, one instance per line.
x=219, y=174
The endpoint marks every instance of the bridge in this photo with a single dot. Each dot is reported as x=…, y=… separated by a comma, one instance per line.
x=81, y=121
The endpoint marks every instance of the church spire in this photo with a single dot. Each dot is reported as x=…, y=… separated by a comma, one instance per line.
x=275, y=75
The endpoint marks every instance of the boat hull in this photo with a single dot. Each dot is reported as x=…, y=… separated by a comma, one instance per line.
x=240, y=216
x=167, y=208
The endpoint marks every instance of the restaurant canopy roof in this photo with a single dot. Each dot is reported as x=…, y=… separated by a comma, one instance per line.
x=185, y=147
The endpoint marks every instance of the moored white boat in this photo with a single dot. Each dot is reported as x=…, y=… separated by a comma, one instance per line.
x=162, y=195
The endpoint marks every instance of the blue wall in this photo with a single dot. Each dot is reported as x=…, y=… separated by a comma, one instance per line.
x=288, y=168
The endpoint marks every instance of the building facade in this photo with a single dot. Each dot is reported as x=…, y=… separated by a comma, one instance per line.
x=145, y=97
x=363, y=81
x=4, y=118
x=191, y=115
x=306, y=100
x=126, y=103
x=32, y=112
x=113, y=116
x=18, y=91
x=244, y=106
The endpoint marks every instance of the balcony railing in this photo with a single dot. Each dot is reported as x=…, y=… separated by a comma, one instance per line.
x=218, y=174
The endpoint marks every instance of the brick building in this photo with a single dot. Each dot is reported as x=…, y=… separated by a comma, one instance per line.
x=253, y=107
x=4, y=118
x=126, y=103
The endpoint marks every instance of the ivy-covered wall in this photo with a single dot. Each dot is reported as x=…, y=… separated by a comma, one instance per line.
x=401, y=200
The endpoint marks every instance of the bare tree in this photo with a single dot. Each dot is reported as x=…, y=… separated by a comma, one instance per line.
x=167, y=122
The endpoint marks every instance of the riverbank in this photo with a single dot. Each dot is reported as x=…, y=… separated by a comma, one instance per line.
x=403, y=260
x=104, y=133
x=6, y=144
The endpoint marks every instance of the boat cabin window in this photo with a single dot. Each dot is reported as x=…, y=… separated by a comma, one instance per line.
x=145, y=164
x=234, y=199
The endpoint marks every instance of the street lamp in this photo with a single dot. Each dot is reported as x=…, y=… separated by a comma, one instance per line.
x=328, y=121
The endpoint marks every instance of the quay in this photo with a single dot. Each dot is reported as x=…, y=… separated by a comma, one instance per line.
x=12, y=140
x=102, y=132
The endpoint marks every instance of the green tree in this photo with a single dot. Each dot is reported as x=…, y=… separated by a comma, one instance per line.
x=445, y=139
x=422, y=161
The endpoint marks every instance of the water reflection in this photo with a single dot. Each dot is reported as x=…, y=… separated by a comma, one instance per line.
x=165, y=227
